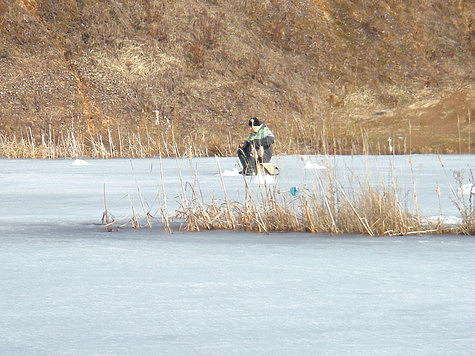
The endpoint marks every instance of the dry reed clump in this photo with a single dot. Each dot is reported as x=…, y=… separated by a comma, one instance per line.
x=326, y=208
x=464, y=200
x=375, y=213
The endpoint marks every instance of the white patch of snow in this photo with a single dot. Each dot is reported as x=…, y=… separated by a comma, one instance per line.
x=230, y=173
x=80, y=162
x=467, y=189
x=311, y=165
x=445, y=220
x=260, y=179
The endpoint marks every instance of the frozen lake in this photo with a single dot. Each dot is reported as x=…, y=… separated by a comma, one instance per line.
x=70, y=287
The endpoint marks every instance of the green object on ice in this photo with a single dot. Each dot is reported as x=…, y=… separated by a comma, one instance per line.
x=295, y=191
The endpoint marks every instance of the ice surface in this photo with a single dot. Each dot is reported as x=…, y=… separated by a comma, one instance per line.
x=70, y=287
x=76, y=290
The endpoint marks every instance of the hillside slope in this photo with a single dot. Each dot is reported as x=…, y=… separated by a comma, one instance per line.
x=340, y=76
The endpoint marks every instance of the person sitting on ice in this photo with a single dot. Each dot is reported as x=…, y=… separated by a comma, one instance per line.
x=258, y=147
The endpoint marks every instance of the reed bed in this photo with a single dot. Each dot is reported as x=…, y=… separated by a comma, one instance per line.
x=464, y=200
x=327, y=206
x=140, y=142
x=164, y=139
x=367, y=210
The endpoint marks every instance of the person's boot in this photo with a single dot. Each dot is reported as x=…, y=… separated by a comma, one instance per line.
x=251, y=167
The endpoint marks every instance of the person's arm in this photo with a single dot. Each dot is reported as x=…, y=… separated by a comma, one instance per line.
x=244, y=144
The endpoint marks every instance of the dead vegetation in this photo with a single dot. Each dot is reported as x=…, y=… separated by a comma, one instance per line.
x=326, y=206
x=315, y=71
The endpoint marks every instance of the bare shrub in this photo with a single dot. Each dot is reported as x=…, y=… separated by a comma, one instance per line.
x=464, y=200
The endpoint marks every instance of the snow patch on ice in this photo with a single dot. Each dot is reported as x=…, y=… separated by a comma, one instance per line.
x=80, y=162
x=309, y=164
x=260, y=179
x=445, y=220
x=467, y=189
x=230, y=173
x=312, y=165
x=256, y=179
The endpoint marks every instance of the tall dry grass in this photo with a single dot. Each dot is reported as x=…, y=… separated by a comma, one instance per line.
x=314, y=133
x=324, y=208
x=141, y=142
x=327, y=206
x=163, y=138
x=463, y=197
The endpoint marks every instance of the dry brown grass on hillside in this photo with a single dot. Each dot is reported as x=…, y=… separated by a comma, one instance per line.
x=325, y=75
